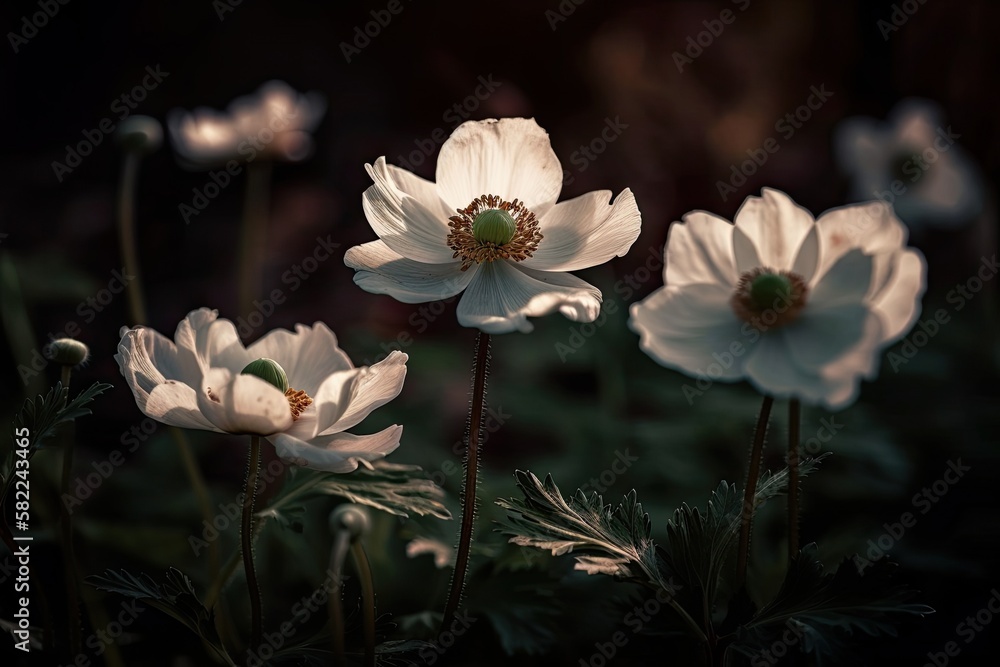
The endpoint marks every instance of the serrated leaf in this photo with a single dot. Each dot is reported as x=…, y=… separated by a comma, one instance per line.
x=175, y=597
x=826, y=609
x=546, y=520
x=390, y=487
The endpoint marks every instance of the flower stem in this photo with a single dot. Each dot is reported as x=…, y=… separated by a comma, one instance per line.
x=252, y=238
x=367, y=599
x=750, y=492
x=246, y=535
x=126, y=233
x=793, y=478
x=69, y=556
x=480, y=370
x=338, y=554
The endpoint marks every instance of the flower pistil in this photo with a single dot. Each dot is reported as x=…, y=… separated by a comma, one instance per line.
x=491, y=228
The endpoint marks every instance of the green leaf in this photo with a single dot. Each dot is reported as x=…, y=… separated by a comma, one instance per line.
x=42, y=415
x=825, y=610
x=620, y=535
x=390, y=487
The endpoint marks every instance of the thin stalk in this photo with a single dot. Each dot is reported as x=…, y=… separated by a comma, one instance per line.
x=252, y=239
x=338, y=554
x=480, y=371
x=69, y=556
x=753, y=475
x=794, y=417
x=367, y=599
x=246, y=535
x=126, y=233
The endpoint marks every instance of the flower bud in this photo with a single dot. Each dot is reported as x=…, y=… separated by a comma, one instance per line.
x=494, y=226
x=268, y=370
x=142, y=134
x=352, y=518
x=67, y=352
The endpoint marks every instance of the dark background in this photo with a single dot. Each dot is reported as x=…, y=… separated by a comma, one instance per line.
x=605, y=61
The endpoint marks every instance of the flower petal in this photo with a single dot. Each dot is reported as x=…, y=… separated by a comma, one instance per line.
x=700, y=251
x=511, y=158
x=371, y=388
x=309, y=356
x=872, y=227
x=422, y=190
x=693, y=329
x=236, y=403
x=820, y=336
x=176, y=404
x=503, y=295
x=147, y=359
x=586, y=231
x=340, y=452
x=771, y=368
x=380, y=270
x=897, y=301
x=402, y=221
x=847, y=282
x=776, y=225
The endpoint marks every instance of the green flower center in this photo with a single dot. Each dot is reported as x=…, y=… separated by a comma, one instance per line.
x=268, y=370
x=494, y=226
x=769, y=289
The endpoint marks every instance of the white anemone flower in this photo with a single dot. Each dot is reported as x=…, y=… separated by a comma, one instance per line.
x=912, y=161
x=276, y=122
x=490, y=226
x=298, y=390
x=799, y=307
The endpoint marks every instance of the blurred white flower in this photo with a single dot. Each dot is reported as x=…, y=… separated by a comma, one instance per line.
x=276, y=123
x=298, y=390
x=914, y=163
x=490, y=226
x=799, y=307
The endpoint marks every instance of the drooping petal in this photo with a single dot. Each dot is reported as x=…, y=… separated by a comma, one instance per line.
x=502, y=296
x=511, y=158
x=897, y=300
x=147, y=359
x=371, y=388
x=700, y=252
x=340, y=452
x=693, y=329
x=236, y=403
x=776, y=225
x=380, y=270
x=586, y=231
x=402, y=221
x=308, y=356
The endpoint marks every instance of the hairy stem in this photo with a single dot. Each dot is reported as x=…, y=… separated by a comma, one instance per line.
x=794, y=416
x=480, y=371
x=338, y=554
x=750, y=492
x=246, y=536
